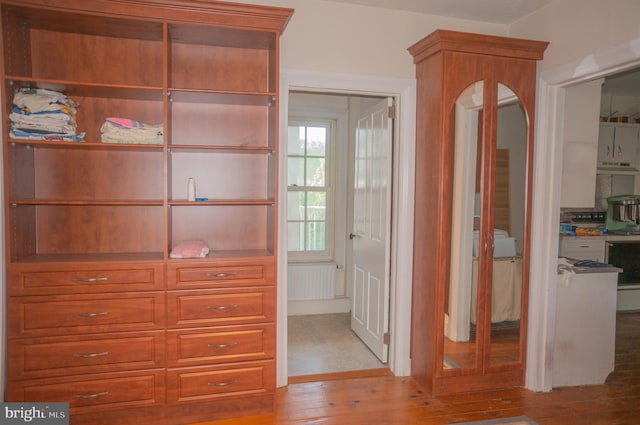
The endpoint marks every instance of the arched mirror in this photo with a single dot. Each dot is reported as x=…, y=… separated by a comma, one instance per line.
x=510, y=191
x=488, y=210
x=460, y=349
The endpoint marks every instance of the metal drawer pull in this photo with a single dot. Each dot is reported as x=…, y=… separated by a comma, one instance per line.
x=222, y=307
x=220, y=274
x=88, y=396
x=103, y=313
x=90, y=279
x=233, y=344
x=222, y=384
x=90, y=355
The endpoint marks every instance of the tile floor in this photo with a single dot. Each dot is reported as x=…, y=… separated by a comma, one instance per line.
x=326, y=344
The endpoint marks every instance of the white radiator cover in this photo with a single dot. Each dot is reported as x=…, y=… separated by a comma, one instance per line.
x=311, y=282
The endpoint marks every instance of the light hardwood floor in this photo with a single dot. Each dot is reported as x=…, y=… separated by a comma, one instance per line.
x=389, y=400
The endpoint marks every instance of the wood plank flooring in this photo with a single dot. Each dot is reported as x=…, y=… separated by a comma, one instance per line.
x=389, y=400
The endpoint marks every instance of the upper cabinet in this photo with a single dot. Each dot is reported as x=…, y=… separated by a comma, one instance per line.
x=474, y=159
x=618, y=146
x=580, y=144
x=202, y=83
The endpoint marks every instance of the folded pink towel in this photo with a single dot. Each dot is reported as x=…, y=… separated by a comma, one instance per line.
x=190, y=249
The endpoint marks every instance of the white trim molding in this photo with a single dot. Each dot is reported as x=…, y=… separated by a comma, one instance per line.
x=404, y=91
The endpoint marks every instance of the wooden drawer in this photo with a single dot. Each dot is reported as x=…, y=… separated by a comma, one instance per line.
x=67, y=314
x=57, y=356
x=221, y=307
x=95, y=392
x=221, y=274
x=83, y=278
x=220, y=345
x=211, y=383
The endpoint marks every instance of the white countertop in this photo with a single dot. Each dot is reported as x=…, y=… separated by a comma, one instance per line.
x=601, y=268
x=606, y=238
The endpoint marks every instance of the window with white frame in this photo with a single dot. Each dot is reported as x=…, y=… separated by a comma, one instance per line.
x=310, y=196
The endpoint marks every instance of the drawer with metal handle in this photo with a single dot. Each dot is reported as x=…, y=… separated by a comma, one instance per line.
x=92, y=393
x=72, y=355
x=220, y=344
x=228, y=273
x=68, y=314
x=221, y=307
x=86, y=280
x=210, y=383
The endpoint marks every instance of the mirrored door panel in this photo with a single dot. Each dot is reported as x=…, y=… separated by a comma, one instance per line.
x=510, y=189
x=460, y=337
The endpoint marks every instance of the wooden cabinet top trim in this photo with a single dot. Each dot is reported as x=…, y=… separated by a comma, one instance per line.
x=463, y=42
x=232, y=15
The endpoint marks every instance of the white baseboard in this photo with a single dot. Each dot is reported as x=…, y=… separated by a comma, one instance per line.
x=305, y=307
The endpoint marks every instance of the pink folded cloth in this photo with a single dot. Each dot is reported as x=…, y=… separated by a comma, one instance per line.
x=190, y=249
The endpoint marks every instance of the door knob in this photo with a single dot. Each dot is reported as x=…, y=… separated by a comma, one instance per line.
x=353, y=236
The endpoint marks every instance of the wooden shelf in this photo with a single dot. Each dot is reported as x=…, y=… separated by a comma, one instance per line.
x=117, y=257
x=223, y=202
x=87, y=202
x=75, y=88
x=222, y=97
x=54, y=144
x=223, y=149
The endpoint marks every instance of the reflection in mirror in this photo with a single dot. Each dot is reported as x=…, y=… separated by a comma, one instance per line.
x=509, y=222
x=460, y=350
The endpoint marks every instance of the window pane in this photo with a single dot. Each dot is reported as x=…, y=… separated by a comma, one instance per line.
x=295, y=172
x=316, y=172
x=315, y=236
x=296, y=140
x=295, y=206
x=308, y=149
x=316, y=141
x=296, y=236
x=317, y=206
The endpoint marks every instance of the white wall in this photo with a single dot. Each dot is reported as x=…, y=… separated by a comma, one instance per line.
x=344, y=38
x=578, y=28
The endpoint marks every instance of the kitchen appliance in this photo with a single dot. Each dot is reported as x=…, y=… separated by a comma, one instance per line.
x=623, y=214
x=625, y=254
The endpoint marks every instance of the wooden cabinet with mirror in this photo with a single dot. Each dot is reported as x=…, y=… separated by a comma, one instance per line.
x=474, y=150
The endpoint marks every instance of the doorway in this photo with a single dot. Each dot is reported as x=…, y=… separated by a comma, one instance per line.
x=552, y=85
x=338, y=222
x=404, y=91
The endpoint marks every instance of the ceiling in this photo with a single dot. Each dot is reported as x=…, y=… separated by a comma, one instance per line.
x=493, y=11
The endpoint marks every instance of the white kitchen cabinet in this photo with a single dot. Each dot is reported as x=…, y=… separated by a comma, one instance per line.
x=617, y=145
x=583, y=248
x=580, y=145
x=585, y=328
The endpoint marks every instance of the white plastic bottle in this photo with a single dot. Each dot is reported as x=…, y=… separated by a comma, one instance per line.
x=191, y=189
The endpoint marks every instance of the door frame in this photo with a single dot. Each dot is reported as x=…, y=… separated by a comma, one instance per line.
x=546, y=196
x=404, y=92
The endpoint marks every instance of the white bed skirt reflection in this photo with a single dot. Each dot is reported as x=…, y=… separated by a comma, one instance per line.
x=506, y=294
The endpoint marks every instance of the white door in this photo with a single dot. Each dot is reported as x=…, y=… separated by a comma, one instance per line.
x=371, y=226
